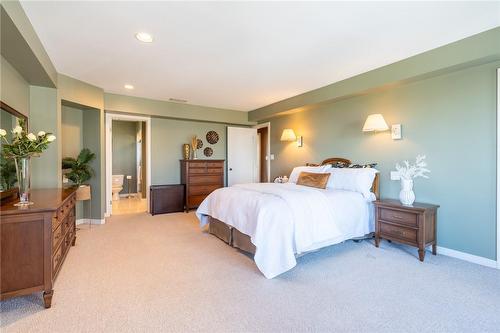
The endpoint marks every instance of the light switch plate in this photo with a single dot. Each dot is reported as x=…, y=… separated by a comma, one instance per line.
x=396, y=132
x=272, y=157
x=395, y=175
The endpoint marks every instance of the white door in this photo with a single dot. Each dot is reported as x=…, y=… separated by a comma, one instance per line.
x=241, y=155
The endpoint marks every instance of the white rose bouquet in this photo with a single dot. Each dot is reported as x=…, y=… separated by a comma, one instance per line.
x=24, y=144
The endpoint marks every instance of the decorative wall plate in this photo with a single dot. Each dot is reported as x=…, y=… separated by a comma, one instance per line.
x=208, y=151
x=199, y=143
x=212, y=137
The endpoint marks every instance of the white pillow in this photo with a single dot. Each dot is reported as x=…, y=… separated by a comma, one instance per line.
x=352, y=179
x=294, y=176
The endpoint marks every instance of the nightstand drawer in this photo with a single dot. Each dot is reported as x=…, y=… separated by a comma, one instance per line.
x=397, y=216
x=391, y=230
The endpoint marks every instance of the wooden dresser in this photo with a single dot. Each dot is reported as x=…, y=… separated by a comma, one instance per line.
x=413, y=225
x=35, y=241
x=200, y=178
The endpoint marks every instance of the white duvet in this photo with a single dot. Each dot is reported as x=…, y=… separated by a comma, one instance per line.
x=285, y=220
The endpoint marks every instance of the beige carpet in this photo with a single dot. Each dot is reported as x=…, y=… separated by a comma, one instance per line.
x=139, y=273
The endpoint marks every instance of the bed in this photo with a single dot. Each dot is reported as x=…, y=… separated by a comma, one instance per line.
x=279, y=222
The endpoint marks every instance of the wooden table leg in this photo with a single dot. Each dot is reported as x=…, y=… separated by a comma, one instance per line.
x=434, y=249
x=421, y=254
x=47, y=298
x=377, y=240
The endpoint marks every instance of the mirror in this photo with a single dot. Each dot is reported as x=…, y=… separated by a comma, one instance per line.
x=9, y=118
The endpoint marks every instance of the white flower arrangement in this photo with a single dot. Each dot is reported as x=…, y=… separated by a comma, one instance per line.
x=24, y=144
x=410, y=171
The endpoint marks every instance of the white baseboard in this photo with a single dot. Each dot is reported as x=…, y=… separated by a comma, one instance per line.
x=124, y=195
x=466, y=257
x=91, y=221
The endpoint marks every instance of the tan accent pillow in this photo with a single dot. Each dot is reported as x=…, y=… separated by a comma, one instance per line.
x=318, y=180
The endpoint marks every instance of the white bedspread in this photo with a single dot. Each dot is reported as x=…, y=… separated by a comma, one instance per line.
x=283, y=220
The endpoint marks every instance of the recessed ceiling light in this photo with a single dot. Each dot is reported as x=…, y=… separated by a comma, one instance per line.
x=129, y=86
x=144, y=37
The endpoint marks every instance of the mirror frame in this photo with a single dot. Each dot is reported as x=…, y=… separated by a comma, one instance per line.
x=14, y=112
x=11, y=194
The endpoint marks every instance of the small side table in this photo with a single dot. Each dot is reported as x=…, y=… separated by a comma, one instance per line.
x=413, y=225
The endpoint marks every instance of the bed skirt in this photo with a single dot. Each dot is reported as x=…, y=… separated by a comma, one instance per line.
x=230, y=235
x=237, y=239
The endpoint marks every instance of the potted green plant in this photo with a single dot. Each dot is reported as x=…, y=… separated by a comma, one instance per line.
x=21, y=148
x=7, y=173
x=80, y=172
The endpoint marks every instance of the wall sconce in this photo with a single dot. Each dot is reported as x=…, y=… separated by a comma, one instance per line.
x=375, y=123
x=289, y=136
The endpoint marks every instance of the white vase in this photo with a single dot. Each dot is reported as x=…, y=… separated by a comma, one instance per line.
x=406, y=196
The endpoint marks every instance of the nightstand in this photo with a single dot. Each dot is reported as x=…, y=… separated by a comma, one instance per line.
x=413, y=225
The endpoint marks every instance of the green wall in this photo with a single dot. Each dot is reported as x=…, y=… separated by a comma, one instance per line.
x=167, y=138
x=92, y=140
x=72, y=131
x=125, y=152
x=44, y=116
x=80, y=129
x=72, y=141
x=146, y=106
x=450, y=118
x=14, y=90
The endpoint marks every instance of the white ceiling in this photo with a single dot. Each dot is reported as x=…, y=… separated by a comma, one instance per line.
x=243, y=55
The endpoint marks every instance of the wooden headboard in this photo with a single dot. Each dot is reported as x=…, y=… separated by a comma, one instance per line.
x=345, y=162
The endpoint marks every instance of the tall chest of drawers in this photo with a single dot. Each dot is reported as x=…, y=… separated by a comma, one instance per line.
x=35, y=241
x=200, y=178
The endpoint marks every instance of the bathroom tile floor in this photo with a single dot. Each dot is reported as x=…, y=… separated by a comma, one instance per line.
x=129, y=206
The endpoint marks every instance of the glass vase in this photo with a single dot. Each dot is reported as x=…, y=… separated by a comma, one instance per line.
x=23, y=166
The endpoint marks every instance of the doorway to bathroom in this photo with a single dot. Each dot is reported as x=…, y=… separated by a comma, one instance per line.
x=128, y=163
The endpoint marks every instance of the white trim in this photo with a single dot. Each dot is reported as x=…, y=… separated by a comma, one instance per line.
x=92, y=221
x=498, y=168
x=268, y=125
x=465, y=256
x=124, y=195
x=109, y=155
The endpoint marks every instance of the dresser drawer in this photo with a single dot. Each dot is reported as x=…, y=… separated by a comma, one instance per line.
x=400, y=232
x=198, y=171
x=57, y=236
x=392, y=215
x=195, y=200
x=193, y=165
x=202, y=189
x=214, y=170
x=215, y=164
x=55, y=222
x=57, y=259
x=205, y=179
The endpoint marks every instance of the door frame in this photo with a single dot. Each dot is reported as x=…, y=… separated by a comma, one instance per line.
x=498, y=169
x=109, y=154
x=268, y=161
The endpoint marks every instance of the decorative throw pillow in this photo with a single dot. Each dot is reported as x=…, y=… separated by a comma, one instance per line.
x=294, y=176
x=362, y=166
x=353, y=166
x=318, y=180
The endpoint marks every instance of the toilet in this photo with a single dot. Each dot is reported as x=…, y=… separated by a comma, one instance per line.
x=117, y=186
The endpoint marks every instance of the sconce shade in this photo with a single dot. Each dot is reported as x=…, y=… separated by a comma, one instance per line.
x=288, y=135
x=375, y=122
